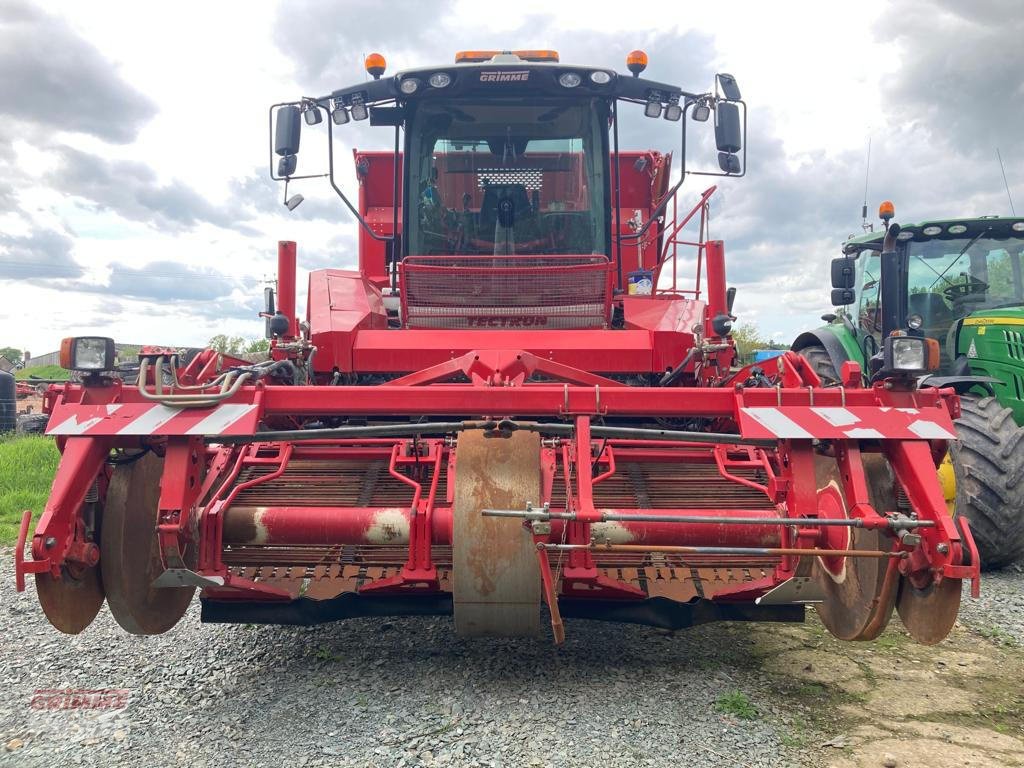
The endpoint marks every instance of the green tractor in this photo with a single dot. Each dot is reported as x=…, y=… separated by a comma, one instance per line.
x=960, y=282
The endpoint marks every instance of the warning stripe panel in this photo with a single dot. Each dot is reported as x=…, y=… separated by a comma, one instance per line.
x=854, y=423
x=152, y=419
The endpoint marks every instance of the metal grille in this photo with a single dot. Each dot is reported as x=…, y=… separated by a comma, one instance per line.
x=523, y=292
x=1014, y=344
x=531, y=178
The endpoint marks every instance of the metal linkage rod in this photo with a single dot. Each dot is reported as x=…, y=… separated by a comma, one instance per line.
x=900, y=523
x=334, y=433
x=497, y=428
x=737, y=551
x=638, y=433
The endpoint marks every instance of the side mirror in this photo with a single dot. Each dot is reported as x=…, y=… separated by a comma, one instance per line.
x=728, y=163
x=286, y=165
x=268, y=300
x=287, y=131
x=730, y=89
x=844, y=272
x=728, y=129
x=842, y=297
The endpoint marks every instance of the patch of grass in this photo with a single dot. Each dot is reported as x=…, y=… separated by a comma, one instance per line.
x=997, y=635
x=736, y=703
x=43, y=372
x=811, y=690
x=793, y=740
x=27, y=466
x=326, y=654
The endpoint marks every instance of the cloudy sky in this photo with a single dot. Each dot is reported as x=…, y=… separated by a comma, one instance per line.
x=135, y=203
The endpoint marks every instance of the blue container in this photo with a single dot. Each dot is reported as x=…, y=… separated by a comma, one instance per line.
x=640, y=283
x=761, y=355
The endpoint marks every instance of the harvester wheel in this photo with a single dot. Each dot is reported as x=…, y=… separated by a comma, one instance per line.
x=858, y=599
x=72, y=601
x=988, y=463
x=822, y=364
x=129, y=552
x=930, y=613
x=496, y=577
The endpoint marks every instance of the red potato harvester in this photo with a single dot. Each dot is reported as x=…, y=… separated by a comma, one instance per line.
x=514, y=400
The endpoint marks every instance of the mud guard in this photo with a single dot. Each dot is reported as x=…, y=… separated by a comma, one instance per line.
x=825, y=338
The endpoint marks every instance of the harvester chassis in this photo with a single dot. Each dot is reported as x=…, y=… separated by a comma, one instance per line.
x=585, y=568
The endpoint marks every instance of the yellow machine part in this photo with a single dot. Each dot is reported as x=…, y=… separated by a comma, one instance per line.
x=947, y=478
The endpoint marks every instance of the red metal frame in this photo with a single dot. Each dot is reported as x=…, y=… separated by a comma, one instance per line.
x=376, y=513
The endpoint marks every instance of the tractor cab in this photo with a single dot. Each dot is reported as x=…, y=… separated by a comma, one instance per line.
x=957, y=274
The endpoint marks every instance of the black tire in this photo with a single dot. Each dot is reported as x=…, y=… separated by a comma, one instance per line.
x=32, y=423
x=988, y=463
x=822, y=364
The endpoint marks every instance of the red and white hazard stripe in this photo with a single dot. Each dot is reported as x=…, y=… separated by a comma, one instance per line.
x=858, y=423
x=153, y=419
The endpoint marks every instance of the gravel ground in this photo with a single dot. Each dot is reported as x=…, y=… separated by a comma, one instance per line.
x=369, y=692
x=407, y=692
x=999, y=613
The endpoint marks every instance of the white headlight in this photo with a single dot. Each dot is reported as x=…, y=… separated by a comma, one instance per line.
x=600, y=77
x=569, y=80
x=908, y=354
x=1018, y=226
x=914, y=322
x=957, y=229
x=409, y=85
x=932, y=230
x=439, y=80
x=87, y=353
x=906, y=234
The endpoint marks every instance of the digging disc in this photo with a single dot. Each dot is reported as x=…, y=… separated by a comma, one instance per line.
x=129, y=554
x=858, y=604
x=496, y=578
x=930, y=613
x=70, y=602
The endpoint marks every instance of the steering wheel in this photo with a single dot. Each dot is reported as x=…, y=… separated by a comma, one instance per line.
x=961, y=290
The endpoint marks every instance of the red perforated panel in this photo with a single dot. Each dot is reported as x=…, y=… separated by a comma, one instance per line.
x=506, y=291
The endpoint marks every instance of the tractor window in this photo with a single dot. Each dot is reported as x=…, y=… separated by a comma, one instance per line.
x=869, y=313
x=947, y=282
x=507, y=178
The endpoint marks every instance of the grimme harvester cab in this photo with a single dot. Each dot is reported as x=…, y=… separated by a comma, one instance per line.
x=511, y=402
x=960, y=282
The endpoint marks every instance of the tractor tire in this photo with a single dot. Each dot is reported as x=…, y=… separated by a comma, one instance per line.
x=821, y=363
x=32, y=424
x=988, y=463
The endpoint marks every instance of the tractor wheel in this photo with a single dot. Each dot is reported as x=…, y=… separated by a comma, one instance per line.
x=821, y=363
x=32, y=424
x=988, y=463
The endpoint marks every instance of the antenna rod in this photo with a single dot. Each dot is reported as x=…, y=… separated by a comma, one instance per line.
x=866, y=225
x=1008, y=195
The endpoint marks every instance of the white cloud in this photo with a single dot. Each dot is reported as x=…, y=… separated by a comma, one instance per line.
x=162, y=166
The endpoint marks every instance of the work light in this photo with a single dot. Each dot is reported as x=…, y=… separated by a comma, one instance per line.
x=87, y=353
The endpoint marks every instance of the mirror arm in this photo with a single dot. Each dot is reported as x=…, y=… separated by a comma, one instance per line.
x=334, y=185
x=668, y=195
x=730, y=175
